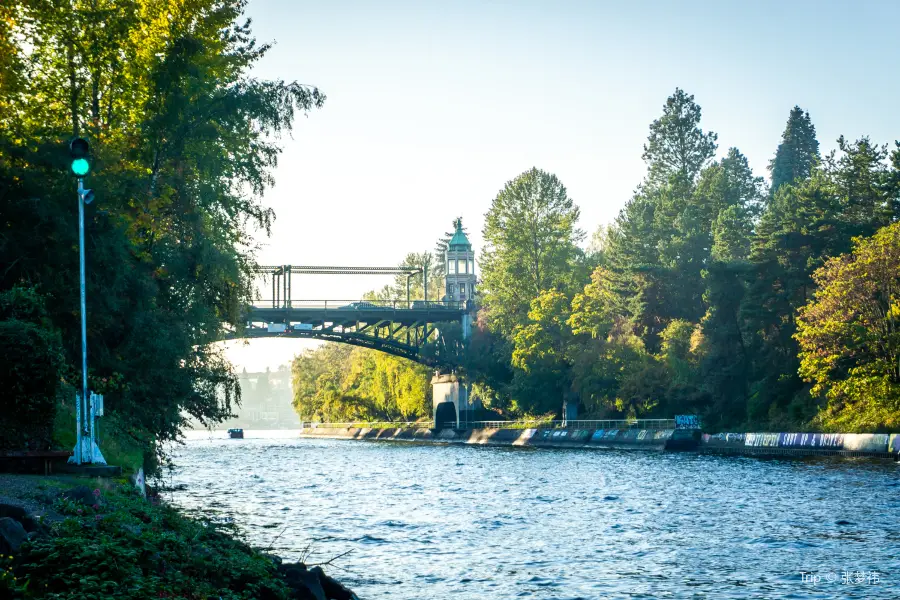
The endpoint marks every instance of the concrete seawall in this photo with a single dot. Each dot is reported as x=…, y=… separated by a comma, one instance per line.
x=876, y=445
x=551, y=438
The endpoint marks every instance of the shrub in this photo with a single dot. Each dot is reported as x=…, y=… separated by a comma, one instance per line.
x=29, y=376
x=126, y=548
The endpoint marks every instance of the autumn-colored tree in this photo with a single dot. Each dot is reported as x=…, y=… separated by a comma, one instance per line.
x=849, y=335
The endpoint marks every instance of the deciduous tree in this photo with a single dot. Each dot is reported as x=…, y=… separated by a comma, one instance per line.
x=530, y=237
x=849, y=335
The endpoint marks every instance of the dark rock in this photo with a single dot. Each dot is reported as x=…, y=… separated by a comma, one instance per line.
x=13, y=512
x=276, y=560
x=82, y=495
x=12, y=534
x=32, y=524
x=18, y=513
x=332, y=588
x=304, y=584
x=151, y=492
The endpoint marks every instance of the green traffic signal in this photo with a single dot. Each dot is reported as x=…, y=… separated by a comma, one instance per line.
x=81, y=166
x=80, y=151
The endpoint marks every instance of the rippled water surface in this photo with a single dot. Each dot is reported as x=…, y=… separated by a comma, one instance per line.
x=427, y=521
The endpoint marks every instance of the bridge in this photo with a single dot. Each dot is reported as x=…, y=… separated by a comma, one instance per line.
x=402, y=327
x=413, y=329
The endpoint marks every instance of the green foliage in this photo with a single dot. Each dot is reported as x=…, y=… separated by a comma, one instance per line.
x=692, y=304
x=595, y=310
x=677, y=147
x=688, y=302
x=723, y=378
x=540, y=345
x=30, y=371
x=530, y=246
x=123, y=547
x=340, y=383
x=184, y=141
x=120, y=445
x=397, y=290
x=798, y=151
x=849, y=335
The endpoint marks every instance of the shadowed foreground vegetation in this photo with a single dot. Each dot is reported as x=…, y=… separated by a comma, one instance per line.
x=109, y=542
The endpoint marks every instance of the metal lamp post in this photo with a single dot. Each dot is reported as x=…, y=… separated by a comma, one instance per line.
x=87, y=405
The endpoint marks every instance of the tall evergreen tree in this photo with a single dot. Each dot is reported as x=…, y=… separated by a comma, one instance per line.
x=724, y=368
x=798, y=151
x=661, y=238
x=862, y=179
x=677, y=147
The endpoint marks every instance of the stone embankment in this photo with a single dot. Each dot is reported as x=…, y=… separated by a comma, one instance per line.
x=877, y=445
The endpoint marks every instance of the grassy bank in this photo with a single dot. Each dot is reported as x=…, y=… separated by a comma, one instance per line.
x=105, y=540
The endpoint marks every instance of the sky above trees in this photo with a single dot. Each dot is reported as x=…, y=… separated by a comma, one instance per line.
x=431, y=110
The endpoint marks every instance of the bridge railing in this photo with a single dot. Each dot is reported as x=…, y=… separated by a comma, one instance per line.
x=350, y=305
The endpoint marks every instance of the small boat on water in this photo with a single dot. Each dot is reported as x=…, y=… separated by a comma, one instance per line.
x=236, y=434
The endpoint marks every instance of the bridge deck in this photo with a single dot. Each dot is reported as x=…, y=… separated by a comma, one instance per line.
x=359, y=312
x=398, y=327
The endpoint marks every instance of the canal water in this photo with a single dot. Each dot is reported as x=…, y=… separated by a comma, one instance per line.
x=419, y=522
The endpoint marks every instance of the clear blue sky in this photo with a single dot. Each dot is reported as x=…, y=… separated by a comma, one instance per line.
x=432, y=107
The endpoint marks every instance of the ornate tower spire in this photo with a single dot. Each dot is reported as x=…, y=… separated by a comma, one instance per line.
x=460, y=265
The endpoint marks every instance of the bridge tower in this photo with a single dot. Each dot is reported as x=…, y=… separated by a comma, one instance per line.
x=453, y=406
x=459, y=263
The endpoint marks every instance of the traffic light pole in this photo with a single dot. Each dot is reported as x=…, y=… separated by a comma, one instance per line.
x=84, y=372
x=86, y=450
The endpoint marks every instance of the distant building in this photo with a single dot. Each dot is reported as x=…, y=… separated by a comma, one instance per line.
x=266, y=401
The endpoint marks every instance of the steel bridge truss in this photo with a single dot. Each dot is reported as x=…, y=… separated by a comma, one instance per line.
x=281, y=277
x=404, y=328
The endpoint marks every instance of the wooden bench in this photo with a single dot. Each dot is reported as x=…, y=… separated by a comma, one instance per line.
x=26, y=458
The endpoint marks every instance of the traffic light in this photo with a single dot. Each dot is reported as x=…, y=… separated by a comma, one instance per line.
x=80, y=151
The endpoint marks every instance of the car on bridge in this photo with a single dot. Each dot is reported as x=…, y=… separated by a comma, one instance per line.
x=363, y=306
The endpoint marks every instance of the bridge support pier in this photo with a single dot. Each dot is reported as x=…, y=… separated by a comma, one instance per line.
x=453, y=404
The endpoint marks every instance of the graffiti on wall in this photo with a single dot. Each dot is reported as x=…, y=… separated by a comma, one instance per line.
x=855, y=442
x=687, y=422
x=762, y=440
x=834, y=441
x=663, y=434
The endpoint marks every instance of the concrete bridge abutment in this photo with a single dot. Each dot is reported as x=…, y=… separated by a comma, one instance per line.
x=453, y=404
